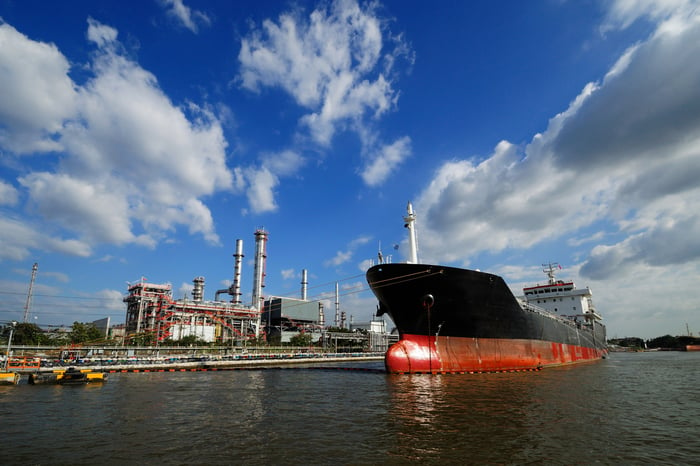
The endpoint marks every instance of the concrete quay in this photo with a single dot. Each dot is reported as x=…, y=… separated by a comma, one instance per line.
x=239, y=361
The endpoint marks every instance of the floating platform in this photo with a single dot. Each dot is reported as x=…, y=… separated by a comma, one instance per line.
x=69, y=376
x=9, y=378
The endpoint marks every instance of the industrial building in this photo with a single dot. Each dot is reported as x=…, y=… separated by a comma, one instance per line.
x=151, y=309
x=154, y=316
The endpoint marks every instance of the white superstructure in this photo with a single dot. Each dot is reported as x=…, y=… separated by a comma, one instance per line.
x=560, y=297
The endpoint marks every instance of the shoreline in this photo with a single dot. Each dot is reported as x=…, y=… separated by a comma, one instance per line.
x=208, y=364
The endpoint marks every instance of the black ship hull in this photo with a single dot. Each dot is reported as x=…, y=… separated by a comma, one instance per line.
x=459, y=320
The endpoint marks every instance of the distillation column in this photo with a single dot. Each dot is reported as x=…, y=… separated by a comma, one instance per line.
x=259, y=274
x=198, y=290
x=236, y=287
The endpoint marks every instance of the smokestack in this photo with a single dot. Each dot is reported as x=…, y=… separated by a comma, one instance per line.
x=198, y=290
x=260, y=258
x=236, y=286
x=304, y=284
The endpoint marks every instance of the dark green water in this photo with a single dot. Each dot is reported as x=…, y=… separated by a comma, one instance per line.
x=641, y=408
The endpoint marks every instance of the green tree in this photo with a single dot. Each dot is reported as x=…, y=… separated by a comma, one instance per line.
x=28, y=334
x=191, y=340
x=85, y=333
x=666, y=341
x=300, y=339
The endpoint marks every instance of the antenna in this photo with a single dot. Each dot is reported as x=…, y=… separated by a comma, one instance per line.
x=549, y=269
x=29, y=294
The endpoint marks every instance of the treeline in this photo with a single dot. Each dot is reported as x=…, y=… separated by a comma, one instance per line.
x=27, y=334
x=664, y=342
x=32, y=334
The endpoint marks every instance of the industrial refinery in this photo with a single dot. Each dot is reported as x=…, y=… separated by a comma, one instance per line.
x=152, y=310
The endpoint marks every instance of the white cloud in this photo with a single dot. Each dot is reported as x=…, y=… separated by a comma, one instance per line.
x=57, y=276
x=185, y=290
x=330, y=64
x=622, y=13
x=190, y=19
x=626, y=153
x=36, y=93
x=111, y=299
x=386, y=160
x=288, y=274
x=101, y=34
x=285, y=163
x=260, y=192
x=341, y=257
x=93, y=209
x=260, y=182
x=8, y=194
x=19, y=239
x=132, y=165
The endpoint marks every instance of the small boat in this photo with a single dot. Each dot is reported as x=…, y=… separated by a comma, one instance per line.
x=73, y=376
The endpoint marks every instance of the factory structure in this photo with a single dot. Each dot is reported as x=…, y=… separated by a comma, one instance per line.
x=152, y=310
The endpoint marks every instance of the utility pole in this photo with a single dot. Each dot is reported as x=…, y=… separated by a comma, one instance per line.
x=29, y=294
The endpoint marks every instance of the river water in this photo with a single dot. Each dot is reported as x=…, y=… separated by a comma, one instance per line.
x=632, y=408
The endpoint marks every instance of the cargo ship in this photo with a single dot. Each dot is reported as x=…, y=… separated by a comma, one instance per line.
x=455, y=320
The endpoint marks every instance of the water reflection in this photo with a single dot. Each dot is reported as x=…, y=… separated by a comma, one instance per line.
x=482, y=418
x=632, y=409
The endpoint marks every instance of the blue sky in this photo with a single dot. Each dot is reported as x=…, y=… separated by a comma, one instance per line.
x=141, y=139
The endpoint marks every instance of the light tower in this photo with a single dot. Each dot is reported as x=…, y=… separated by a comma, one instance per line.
x=410, y=219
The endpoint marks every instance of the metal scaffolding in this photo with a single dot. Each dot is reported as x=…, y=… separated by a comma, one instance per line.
x=151, y=310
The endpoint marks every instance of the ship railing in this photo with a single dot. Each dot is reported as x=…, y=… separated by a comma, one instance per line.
x=545, y=313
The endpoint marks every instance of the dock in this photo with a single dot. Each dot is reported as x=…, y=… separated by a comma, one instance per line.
x=196, y=364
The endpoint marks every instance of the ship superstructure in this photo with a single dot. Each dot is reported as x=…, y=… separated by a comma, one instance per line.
x=561, y=298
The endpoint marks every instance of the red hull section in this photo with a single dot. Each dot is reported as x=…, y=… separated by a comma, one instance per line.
x=423, y=354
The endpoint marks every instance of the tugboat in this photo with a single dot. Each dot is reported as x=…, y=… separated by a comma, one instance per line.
x=459, y=320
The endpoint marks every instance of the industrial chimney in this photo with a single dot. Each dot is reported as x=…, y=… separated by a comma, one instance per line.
x=235, y=290
x=304, y=284
x=259, y=274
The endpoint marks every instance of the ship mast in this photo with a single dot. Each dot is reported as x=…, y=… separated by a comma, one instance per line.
x=410, y=220
x=549, y=269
